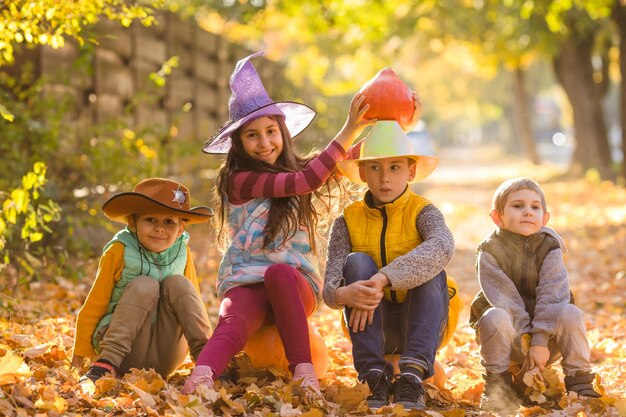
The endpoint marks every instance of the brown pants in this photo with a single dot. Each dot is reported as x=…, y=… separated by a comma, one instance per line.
x=155, y=325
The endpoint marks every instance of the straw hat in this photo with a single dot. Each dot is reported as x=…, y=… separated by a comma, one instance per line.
x=249, y=101
x=387, y=140
x=158, y=196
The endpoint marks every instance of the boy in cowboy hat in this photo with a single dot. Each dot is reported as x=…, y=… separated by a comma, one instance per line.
x=144, y=309
x=385, y=268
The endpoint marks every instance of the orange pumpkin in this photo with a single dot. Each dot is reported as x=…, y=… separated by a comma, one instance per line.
x=265, y=349
x=389, y=98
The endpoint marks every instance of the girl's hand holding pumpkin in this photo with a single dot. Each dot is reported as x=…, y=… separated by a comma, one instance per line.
x=355, y=123
x=417, y=114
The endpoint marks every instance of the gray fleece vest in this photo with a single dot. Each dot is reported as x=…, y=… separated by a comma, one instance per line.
x=520, y=258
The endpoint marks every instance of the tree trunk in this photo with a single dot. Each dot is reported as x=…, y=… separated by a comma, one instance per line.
x=619, y=16
x=523, y=122
x=574, y=70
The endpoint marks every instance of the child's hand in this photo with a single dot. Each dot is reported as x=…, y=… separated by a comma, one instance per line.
x=360, y=295
x=379, y=281
x=355, y=123
x=417, y=113
x=359, y=319
x=538, y=357
x=77, y=361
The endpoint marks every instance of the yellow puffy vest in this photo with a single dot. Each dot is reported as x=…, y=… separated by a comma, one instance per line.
x=388, y=231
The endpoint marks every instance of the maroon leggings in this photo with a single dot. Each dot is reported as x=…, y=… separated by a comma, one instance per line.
x=284, y=297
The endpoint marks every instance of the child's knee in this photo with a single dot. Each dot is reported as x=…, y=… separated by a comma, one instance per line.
x=495, y=320
x=358, y=266
x=142, y=288
x=177, y=284
x=571, y=316
x=280, y=274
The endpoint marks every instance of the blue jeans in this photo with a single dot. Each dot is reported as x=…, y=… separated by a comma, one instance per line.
x=413, y=329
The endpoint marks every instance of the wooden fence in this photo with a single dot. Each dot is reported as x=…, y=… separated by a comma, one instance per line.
x=194, y=98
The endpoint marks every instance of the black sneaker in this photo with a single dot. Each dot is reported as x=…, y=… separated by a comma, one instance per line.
x=99, y=369
x=408, y=390
x=379, y=385
x=499, y=394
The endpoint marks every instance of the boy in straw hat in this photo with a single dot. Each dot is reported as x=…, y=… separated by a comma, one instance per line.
x=144, y=309
x=385, y=264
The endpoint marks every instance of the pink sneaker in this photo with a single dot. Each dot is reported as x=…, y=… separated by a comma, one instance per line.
x=305, y=373
x=201, y=375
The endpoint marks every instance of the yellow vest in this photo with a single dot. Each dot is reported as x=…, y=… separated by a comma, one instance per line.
x=388, y=231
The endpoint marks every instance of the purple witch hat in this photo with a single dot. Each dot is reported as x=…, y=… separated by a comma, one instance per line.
x=249, y=101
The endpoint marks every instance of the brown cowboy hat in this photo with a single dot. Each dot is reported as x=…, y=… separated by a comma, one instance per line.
x=155, y=195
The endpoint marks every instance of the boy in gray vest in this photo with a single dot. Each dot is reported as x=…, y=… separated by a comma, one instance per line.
x=525, y=291
x=144, y=309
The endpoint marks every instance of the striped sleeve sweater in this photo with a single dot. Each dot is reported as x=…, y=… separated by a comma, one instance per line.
x=247, y=185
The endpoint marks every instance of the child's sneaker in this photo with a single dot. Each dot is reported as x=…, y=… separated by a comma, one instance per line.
x=582, y=384
x=305, y=373
x=408, y=390
x=99, y=369
x=201, y=375
x=379, y=385
x=499, y=395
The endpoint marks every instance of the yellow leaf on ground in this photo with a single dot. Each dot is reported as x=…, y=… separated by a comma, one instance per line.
x=349, y=397
x=146, y=380
x=50, y=400
x=313, y=412
x=146, y=398
x=106, y=384
x=12, y=368
x=621, y=406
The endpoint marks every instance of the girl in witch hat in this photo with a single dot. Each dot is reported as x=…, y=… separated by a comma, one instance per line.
x=269, y=273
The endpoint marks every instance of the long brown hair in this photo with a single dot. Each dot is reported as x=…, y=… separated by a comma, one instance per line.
x=287, y=214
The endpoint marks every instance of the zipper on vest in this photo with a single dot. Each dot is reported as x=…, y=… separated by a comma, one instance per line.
x=526, y=268
x=383, y=248
x=383, y=232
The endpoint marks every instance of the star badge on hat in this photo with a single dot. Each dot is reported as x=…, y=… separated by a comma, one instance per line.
x=179, y=197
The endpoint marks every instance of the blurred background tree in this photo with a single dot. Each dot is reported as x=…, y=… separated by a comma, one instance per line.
x=444, y=45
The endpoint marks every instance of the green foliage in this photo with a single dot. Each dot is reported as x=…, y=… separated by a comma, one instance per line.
x=86, y=161
x=48, y=22
x=25, y=217
x=159, y=77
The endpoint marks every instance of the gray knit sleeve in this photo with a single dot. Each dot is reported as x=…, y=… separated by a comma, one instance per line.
x=339, y=247
x=553, y=294
x=429, y=258
x=501, y=292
